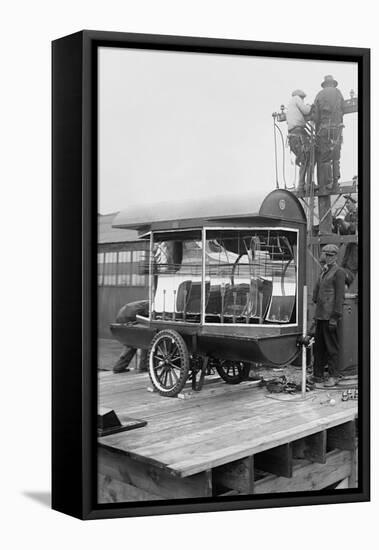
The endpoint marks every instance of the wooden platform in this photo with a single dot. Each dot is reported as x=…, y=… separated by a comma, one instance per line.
x=223, y=440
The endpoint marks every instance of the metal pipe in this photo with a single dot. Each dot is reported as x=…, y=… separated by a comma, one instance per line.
x=260, y=298
x=202, y=300
x=304, y=349
x=185, y=305
x=174, y=308
x=164, y=304
x=234, y=305
x=222, y=290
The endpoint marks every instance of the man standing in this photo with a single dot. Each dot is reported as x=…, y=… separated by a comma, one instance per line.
x=328, y=296
x=328, y=118
x=298, y=137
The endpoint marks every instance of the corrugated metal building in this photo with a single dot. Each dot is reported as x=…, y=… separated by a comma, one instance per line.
x=121, y=278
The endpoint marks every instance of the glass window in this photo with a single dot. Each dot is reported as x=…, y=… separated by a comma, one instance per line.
x=100, y=268
x=177, y=277
x=125, y=256
x=250, y=276
x=110, y=268
x=123, y=268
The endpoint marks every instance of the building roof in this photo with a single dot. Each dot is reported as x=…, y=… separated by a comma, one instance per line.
x=109, y=234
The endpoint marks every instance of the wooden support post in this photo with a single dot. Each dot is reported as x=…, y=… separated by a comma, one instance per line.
x=325, y=214
x=342, y=437
x=309, y=476
x=311, y=448
x=276, y=461
x=237, y=475
x=353, y=477
x=111, y=490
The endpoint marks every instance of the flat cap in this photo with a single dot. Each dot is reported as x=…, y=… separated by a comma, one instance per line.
x=330, y=249
x=300, y=93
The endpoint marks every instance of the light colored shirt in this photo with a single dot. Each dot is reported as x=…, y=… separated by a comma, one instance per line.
x=296, y=110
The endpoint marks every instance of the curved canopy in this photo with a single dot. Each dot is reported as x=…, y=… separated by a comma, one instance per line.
x=282, y=204
x=140, y=216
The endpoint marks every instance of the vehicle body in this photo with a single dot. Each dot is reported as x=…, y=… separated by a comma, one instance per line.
x=223, y=287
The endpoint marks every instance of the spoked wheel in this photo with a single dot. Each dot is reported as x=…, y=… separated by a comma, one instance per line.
x=168, y=362
x=233, y=372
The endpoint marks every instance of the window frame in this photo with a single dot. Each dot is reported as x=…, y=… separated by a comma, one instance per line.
x=251, y=228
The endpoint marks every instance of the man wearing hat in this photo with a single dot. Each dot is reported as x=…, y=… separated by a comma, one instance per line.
x=298, y=138
x=328, y=118
x=350, y=259
x=328, y=295
x=351, y=217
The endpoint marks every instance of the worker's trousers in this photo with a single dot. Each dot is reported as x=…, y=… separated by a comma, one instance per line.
x=127, y=315
x=329, y=141
x=326, y=349
x=299, y=144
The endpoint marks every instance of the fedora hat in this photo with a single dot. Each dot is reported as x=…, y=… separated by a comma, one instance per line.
x=329, y=81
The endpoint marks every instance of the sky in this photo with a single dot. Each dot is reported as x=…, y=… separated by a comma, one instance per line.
x=177, y=125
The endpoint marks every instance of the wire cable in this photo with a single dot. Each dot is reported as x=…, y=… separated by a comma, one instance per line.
x=276, y=155
x=283, y=156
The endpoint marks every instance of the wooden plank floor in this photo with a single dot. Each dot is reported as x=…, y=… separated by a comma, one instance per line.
x=220, y=424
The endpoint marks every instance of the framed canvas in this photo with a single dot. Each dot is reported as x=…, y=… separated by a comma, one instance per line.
x=210, y=282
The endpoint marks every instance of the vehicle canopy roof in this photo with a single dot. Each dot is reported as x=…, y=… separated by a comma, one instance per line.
x=277, y=205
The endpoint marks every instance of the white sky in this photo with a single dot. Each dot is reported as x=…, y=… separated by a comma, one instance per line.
x=178, y=125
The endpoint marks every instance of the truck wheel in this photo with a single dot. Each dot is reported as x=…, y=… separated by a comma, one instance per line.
x=168, y=362
x=232, y=372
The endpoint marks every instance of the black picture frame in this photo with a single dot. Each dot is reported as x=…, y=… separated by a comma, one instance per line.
x=74, y=333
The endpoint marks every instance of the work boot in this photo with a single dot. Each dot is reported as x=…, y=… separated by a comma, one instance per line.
x=331, y=382
x=123, y=362
x=316, y=381
x=119, y=368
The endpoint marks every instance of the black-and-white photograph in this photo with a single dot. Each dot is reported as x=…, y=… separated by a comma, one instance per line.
x=227, y=273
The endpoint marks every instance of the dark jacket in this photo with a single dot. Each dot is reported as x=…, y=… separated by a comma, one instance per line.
x=329, y=293
x=352, y=219
x=328, y=108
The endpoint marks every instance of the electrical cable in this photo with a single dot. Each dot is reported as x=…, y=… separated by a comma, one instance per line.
x=283, y=156
x=276, y=156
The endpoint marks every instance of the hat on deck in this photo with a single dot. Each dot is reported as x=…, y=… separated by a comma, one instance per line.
x=330, y=249
x=329, y=81
x=349, y=198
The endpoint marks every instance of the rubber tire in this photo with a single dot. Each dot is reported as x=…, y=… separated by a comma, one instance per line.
x=237, y=379
x=184, y=364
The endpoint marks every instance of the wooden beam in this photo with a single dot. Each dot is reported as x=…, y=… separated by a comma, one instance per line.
x=333, y=238
x=276, y=461
x=309, y=476
x=311, y=448
x=151, y=479
x=344, y=188
x=342, y=437
x=113, y=490
x=353, y=478
x=237, y=475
